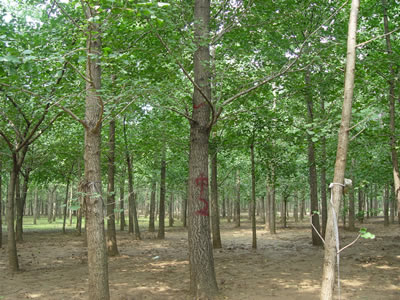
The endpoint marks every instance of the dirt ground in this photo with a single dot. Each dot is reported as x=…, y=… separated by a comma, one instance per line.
x=285, y=266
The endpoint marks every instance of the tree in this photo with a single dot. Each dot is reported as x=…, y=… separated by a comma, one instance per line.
x=331, y=237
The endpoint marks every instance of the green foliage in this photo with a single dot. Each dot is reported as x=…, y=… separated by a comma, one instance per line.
x=365, y=234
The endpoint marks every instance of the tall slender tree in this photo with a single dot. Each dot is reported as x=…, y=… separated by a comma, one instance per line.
x=331, y=237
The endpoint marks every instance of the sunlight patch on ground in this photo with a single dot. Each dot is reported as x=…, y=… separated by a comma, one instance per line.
x=34, y=296
x=308, y=285
x=386, y=267
x=352, y=283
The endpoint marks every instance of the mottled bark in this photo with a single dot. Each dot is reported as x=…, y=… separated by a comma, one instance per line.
x=203, y=283
x=96, y=241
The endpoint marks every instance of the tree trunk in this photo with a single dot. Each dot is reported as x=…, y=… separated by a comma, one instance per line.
x=392, y=204
x=284, y=210
x=96, y=241
x=1, y=205
x=19, y=210
x=262, y=202
x=161, y=211
x=253, y=198
x=216, y=235
x=171, y=210
x=35, y=206
x=360, y=213
x=386, y=206
x=152, y=205
x=352, y=200
x=122, y=201
x=331, y=238
x=133, y=219
x=237, y=202
x=271, y=207
x=224, y=204
x=324, y=205
x=11, y=242
x=185, y=207
x=203, y=283
x=392, y=109
x=302, y=206
x=112, y=247
x=65, y=205
x=312, y=167
x=296, y=208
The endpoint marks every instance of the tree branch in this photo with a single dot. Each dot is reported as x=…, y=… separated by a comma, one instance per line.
x=19, y=110
x=377, y=37
x=75, y=117
x=10, y=145
x=184, y=70
x=44, y=129
x=27, y=139
x=67, y=15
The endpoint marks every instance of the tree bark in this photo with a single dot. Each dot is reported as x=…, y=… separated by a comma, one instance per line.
x=312, y=167
x=271, y=206
x=122, y=201
x=262, y=202
x=361, y=212
x=152, y=205
x=392, y=108
x=392, y=202
x=352, y=226
x=161, y=211
x=1, y=205
x=171, y=210
x=35, y=206
x=133, y=219
x=386, y=206
x=253, y=197
x=324, y=205
x=19, y=210
x=216, y=235
x=237, y=201
x=65, y=205
x=96, y=242
x=11, y=242
x=112, y=247
x=203, y=283
x=331, y=238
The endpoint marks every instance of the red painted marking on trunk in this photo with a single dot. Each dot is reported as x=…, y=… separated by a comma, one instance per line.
x=198, y=106
x=202, y=182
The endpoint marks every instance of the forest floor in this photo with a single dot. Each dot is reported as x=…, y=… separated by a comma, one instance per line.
x=285, y=266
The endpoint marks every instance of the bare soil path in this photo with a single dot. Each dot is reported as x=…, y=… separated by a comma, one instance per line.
x=285, y=266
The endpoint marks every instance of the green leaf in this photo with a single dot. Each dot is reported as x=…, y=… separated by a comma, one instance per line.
x=162, y=4
x=365, y=234
x=10, y=58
